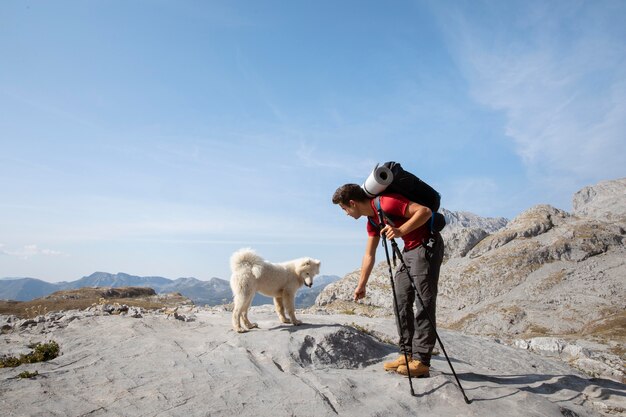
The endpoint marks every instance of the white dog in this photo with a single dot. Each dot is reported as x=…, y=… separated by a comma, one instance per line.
x=250, y=273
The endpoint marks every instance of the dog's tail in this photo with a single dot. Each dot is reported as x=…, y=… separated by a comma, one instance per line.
x=246, y=260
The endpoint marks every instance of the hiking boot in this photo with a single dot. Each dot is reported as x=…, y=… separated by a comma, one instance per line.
x=416, y=368
x=393, y=365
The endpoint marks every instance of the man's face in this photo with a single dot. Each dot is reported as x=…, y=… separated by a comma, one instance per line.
x=350, y=209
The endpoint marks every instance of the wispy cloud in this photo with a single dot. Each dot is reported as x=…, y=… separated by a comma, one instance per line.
x=28, y=251
x=310, y=155
x=562, y=87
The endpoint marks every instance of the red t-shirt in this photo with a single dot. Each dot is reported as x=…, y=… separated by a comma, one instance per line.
x=394, y=206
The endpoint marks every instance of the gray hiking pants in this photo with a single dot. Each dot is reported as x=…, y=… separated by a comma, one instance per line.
x=417, y=334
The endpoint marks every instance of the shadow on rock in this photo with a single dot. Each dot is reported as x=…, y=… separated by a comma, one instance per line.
x=304, y=326
x=550, y=384
x=343, y=348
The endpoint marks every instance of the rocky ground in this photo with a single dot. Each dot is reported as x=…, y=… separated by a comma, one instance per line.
x=155, y=363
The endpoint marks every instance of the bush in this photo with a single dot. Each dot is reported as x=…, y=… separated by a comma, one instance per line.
x=41, y=353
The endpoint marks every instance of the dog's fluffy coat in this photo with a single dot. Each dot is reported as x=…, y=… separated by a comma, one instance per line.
x=251, y=273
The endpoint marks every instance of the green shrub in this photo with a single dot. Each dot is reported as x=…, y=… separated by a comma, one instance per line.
x=41, y=352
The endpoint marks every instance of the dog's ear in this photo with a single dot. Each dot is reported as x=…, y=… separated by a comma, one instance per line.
x=303, y=265
x=310, y=261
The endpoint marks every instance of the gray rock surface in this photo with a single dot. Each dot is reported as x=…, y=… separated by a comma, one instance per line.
x=116, y=365
x=603, y=201
x=464, y=219
x=464, y=230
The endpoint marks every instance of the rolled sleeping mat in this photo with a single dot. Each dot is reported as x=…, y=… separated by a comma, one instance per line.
x=378, y=181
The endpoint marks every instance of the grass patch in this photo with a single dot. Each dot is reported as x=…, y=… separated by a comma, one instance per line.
x=552, y=280
x=612, y=327
x=534, y=330
x=463, y=322
x=27, y=374
x=41, y=352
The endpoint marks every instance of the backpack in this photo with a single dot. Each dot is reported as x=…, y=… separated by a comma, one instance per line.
x=410, y=186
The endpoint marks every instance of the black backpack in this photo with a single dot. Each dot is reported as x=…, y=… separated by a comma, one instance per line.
x=411, y=187
x=416, y=190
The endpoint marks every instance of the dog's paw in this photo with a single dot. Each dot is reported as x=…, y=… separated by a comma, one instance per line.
x=253, y=326
x=241, y=330
x=285, y=320
x=297, y=322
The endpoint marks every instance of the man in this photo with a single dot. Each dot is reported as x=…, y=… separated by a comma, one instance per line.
x=410, y=221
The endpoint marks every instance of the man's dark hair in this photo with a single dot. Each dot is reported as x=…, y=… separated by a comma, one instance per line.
x=348, y=192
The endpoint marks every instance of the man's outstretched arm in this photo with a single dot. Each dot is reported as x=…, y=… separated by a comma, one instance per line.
x=366, y=266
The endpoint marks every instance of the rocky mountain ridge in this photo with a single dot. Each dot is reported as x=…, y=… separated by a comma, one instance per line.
x=547, y=273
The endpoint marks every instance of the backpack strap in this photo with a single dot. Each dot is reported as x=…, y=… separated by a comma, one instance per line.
x=381, y=214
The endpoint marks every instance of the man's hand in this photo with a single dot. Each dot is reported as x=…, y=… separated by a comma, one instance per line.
x=359, y=293
x=391, y=232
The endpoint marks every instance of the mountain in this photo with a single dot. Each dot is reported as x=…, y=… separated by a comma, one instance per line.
x=104, y=279
x=603, y=201
x=464, y=230
x=204, y=292
x=213, y=292
x=462, y=219
x=24, y=289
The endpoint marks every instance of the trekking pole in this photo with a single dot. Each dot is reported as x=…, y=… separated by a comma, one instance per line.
x=395, y=304
x=394, y=245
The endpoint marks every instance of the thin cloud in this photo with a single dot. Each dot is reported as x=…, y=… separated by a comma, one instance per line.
x=310, y=156
x=563, y=95
x=29, y=251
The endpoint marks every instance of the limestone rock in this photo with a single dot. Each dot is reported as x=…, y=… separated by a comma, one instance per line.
x=459, y=242
x=604, y=201
x=115, y=365
x=464, y=219
x=530, y=223
x=465, y=230
x=135, y=312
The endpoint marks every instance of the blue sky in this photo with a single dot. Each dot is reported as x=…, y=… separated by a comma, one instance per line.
x=157, y=137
